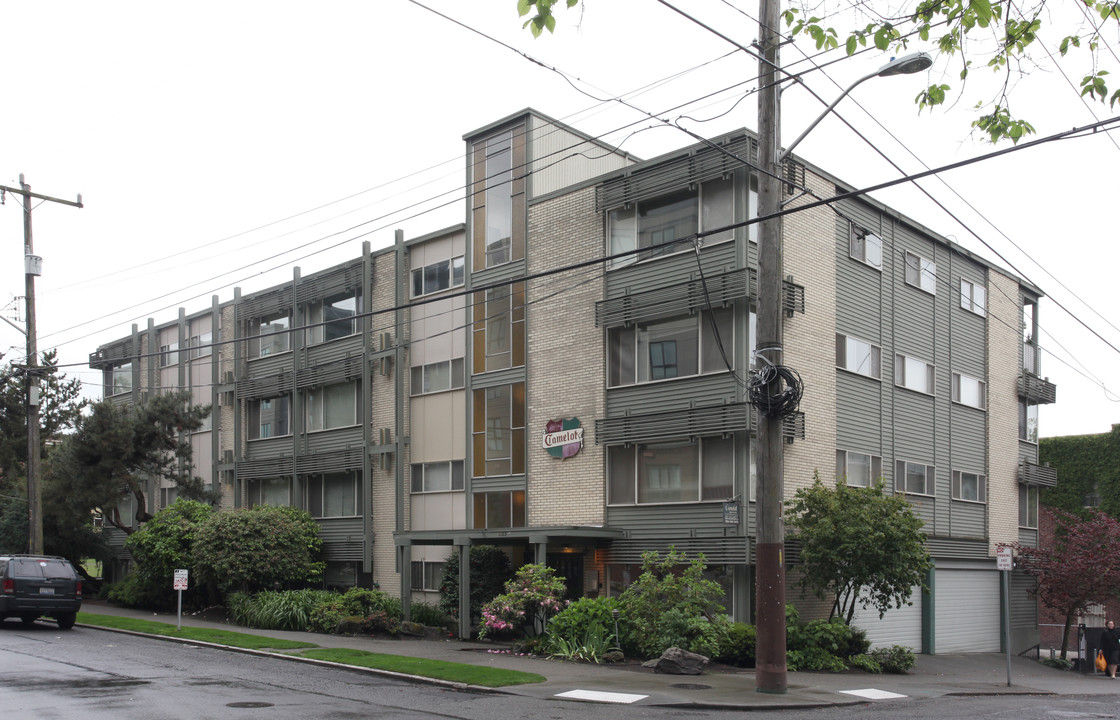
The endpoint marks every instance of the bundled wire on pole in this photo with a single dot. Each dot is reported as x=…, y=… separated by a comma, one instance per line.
x=785, y=400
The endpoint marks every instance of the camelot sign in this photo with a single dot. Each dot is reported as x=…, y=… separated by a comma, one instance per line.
x=562, y=438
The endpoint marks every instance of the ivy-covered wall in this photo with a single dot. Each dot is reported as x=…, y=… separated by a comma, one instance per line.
x=1088, y=467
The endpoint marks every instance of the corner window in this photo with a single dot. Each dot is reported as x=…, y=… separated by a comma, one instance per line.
x=857, y=356
x=913, y=374
x=858, y=469
x=332, y=495
x=914, y=478
x=969, y=486
x=672, y=472
x=667, y=349
x=202, y=345
x=974, y=297
x=499, y=509
x=1028, y=506
x=865, y=246
x=437, y=476
x=269, y=417
x=438, y=377
x=269, y=491
x=438, y=276
x=970, y=391
x=427, y=575
x=498, y=434
x=332, y=406
x=1028, y=421
x=921, y=273
x=269, y=334
x=657, y=225
x=118, y=379
x=333, y=317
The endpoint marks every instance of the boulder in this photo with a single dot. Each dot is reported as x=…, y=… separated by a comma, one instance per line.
x=676, y=661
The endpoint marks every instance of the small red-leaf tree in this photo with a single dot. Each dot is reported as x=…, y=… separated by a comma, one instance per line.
x=1082, y=567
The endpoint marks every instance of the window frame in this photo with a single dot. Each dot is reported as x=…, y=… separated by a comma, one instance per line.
x=858, y=244
x=202, y=345
x=1028, y=412
x=901, y=376
x=517, y=509
x=114, y=373
x=875, y=355
x=456, y=484
x=901, y=480
x=923, y=269
x=958, y=391
x=420, y=374
x=456, y=276
x=169, y=355
x=874, y=465
x=626, y=361
x=258, y=483
x=257, y=343
x=317, y=326
x=981, y=487
x=706, y=492
x=426, y=570
x=253, y=436
x=309, y=407
x=969, y=292
x=321, y=505
x=484, y=439
x=1026, y=506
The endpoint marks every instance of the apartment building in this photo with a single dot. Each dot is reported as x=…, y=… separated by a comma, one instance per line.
x=562, y=375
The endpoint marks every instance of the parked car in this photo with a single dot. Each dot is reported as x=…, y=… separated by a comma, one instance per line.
x=33, y=586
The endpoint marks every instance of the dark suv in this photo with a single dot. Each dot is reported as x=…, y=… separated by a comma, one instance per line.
x=35, y=585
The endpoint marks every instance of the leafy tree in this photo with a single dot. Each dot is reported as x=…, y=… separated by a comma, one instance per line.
x=1082, y=567
x=1004, y=37
x=259, y=548
x=490, y=569
x=858, y=545
x=117, y=449
x=165, y=543
x=1089, y=469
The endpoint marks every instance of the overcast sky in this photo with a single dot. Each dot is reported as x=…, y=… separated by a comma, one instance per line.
x=220, y=144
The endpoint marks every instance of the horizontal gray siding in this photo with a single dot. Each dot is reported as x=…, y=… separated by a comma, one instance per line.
x=968, y=520
x=670, y=395
x=912, y=428
x=270, y=365
x=1028, y=452
x=682, y=520
x=334, y=440
x=511, y=482
x=953, y=548
x=658, y=272
x=342, y=538
x=969, y=436
x=269, y=448
x=1028, y=537
x=1024, y=607
x=859, y=413
x=335, y=350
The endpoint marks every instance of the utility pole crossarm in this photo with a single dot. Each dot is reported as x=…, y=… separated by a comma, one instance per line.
x=27, y=193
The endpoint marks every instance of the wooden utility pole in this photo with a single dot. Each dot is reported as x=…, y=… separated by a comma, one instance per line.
x=32, y=268
x=770, y=580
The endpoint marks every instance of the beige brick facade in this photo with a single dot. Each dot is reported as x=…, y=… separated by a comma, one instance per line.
x=1004, y=366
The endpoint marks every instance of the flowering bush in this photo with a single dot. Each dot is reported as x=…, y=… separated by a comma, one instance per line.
x=530, y=598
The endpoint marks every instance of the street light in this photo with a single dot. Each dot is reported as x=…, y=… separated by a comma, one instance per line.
x=906, y=65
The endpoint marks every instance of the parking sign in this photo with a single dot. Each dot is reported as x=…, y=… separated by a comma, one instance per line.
x=180, y=581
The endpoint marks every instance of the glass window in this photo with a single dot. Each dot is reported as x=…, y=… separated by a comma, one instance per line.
x=973, y=297
x=672, y=472
x=858, y=469
x=332, y=495
x=969, y=486
x=921, y=273
x=622, y=226
x=664, y=220
x=666, y=349
x=332, y=406
x=970, y=391
x=914, y=478
x=717, y=208
x=858, y=356
x=438, y=377
x=499, y=509
x=499, y=199
x=499, y=328
x=1028, y=421
x=865, y=246
x=1028, y=506
x=437, y=476
x=268, y=417
x=118, y=379
x=202, y=345
x=270, y=334
x=169, y=354
x=427, y=575
x=438, y=276
x=269, y=491
x=914, y=374
x=499, y=430
x=333, y=317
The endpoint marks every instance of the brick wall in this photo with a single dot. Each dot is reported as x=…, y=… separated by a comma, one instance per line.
x=1004, y=339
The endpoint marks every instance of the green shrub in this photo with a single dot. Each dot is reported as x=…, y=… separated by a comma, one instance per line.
x=531, y=597
x=865, y=663
x=134, y=591
x=360, y=601
x=591, y=647
x=896, y=659
x=814, y=658
x=380, y=622
x=430, y=615
x=831, y=635
x=161, y=546
x=1058, y=663
x=277, y=610
x=672, y=604
x=354, y=603
x=490, y=569
x=738, y=648
x=577, y=620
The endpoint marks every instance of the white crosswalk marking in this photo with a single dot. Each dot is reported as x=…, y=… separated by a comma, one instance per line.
x=599, y=696
x=873, y=694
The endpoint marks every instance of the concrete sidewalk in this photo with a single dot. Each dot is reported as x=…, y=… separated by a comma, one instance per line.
x=933, y=676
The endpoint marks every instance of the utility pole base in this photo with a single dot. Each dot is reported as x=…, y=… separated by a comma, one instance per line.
x=770, y=583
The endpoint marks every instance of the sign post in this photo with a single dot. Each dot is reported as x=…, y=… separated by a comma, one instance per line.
x=1004, y=563
x=179, y=584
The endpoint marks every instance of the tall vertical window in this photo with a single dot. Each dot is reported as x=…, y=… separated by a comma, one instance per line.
x=1028, y=506
x=974, y=298
x=858, y=356
x=499, y=199
x=498, y=433
x=269, y=417
x=858, y=469
x=118, y=379
x=332, y=406
x=672, y=472
x=921, y=273
x=1028, y=421
x=865, y=246
x=270, y=334
x=498, y=332
x=333, y=317
x=1030, y=337
x=332, y=494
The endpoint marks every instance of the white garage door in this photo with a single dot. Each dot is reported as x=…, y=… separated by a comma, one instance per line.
x=899, y=626
x=966, y=611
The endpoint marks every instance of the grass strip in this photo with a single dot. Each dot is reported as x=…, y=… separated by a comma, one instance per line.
x=439, y=669
x=211, y=635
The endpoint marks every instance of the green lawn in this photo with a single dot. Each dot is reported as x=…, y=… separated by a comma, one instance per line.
x=221, y=637
x=439, y=669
